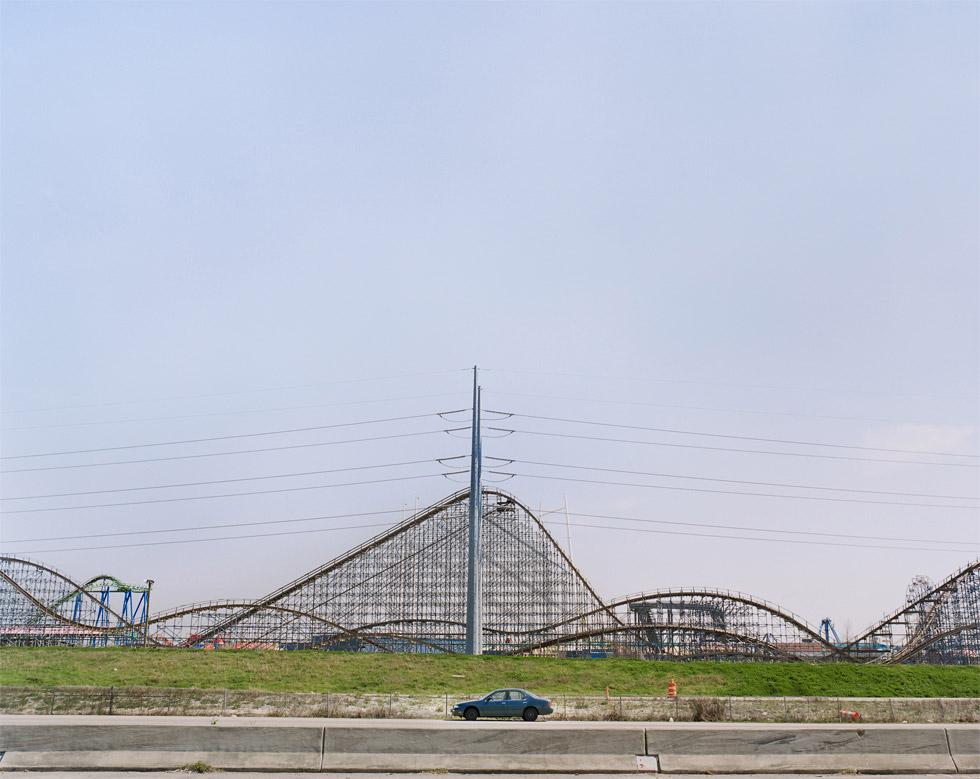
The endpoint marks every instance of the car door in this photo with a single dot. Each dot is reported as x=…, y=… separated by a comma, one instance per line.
x=495, y=704
x=515, y=703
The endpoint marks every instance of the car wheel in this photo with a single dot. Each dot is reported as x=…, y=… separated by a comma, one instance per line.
x=471, y=713
x=530, y=714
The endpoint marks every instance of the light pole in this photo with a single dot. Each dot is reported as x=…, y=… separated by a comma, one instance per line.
x=146, y=613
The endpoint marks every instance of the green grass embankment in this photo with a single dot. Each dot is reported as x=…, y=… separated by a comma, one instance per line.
x=308, y=671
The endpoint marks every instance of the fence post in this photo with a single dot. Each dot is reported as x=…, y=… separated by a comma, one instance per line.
x=224, y=702
x=51, y=703
x=112, y=694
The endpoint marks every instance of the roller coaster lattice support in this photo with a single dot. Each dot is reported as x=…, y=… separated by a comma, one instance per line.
x=40, y=606
x=405, y=591
x=938, y=624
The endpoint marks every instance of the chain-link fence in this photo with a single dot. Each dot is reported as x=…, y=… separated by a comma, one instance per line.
x=250, y=703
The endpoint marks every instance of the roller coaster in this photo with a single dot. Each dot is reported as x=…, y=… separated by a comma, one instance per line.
x=405, y=591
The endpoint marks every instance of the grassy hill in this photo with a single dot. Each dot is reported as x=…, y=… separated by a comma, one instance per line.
x=307, y=671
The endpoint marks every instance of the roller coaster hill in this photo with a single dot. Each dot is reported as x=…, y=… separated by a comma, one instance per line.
x=402, y=591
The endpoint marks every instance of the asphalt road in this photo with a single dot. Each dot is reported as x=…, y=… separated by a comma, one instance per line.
x=429, y=775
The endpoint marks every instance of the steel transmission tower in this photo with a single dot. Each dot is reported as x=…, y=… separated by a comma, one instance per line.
x=474, y=567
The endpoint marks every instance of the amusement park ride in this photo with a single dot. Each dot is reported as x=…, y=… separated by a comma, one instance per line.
x=478, y=572
x=402, y=591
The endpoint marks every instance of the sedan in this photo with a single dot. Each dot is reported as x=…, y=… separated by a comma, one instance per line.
x=505, y=703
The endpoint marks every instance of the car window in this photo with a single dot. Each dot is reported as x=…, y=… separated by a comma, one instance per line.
x=498, y=696
x=515, y=695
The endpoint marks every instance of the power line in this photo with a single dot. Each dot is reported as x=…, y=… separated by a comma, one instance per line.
x=235, y=413
x=715, y=383
x=731, y=492
x=237, y=392
x=732, y=436
x=193, y=528
x=222, y=481
x=225, y=437
x=206, y=540
x=730, y=449
x=772, y=530
x=227, y=495
x=737, y=481
x=747, y=538
x=237, y=451
x=547, y=522
x=713, y=409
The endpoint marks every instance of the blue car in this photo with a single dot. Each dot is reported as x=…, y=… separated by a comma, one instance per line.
x=505, y=703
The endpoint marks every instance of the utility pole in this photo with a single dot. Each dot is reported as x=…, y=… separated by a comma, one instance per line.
x=474, y=595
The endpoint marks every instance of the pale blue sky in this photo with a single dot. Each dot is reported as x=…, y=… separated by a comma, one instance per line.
x=213, y=198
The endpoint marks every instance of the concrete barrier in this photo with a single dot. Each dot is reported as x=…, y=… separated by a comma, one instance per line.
x=964, y=748
x=148, y=743
x=120, y=746
x=808, y=749
x=464, y=747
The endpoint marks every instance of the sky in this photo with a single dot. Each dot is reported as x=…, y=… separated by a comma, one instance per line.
x=742, y=220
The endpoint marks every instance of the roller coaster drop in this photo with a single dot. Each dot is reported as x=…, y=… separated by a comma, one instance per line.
x=405, y=591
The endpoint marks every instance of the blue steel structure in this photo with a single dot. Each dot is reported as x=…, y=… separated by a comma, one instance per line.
x=827, y=630
x=109, y=589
